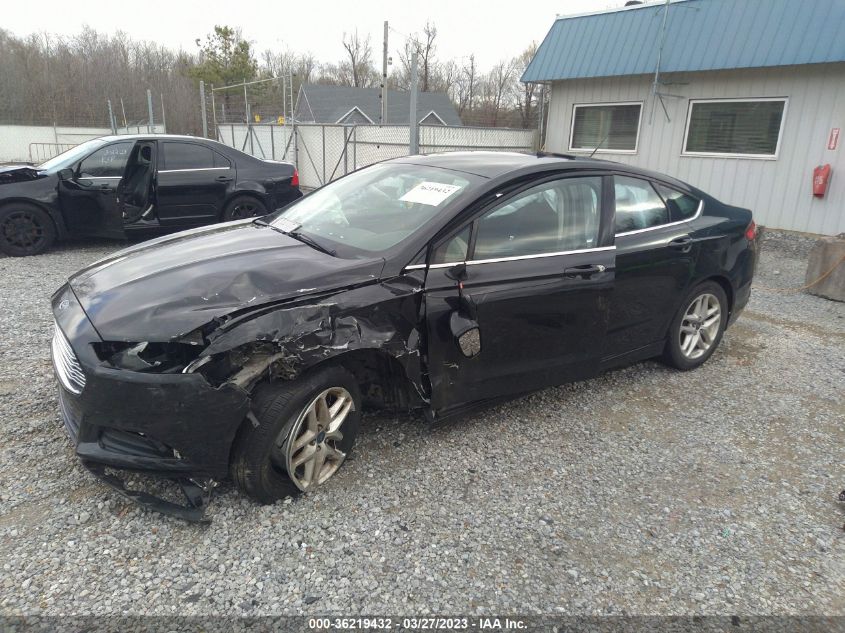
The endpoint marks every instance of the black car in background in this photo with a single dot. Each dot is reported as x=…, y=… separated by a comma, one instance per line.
x=437, y=283
x=117, y=186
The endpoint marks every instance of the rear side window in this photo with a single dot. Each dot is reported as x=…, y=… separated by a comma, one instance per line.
x=637, y=205
x=187, y=156
x=221, y=161
x=681, y=206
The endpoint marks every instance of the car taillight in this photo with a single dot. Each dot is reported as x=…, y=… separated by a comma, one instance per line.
x=751, y=231
x=294, y=182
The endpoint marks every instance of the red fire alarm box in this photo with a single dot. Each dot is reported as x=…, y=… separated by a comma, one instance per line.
x=821, y=176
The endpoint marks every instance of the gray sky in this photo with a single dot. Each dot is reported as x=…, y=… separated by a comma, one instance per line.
x=492, y=30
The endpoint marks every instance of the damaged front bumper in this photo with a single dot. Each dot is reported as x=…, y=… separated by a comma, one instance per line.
x=170, y=425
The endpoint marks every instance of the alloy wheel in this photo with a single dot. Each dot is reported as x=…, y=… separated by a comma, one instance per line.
x=310, y=450
x=700, y=326
x=243, y=210
x=22, y=229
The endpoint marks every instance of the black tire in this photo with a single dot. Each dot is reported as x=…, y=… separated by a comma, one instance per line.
x=277, y=406
x=25, y=229
x=243, y=207
x=673, y=354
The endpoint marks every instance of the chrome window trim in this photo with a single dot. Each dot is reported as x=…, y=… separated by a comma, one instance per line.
x=473, y=262
x=496, y=260
x=171, y=171
x=698, y=213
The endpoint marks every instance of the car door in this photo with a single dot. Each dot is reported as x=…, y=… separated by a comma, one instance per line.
x=533, y=273
x=192, y=182
x=89, y=197
x=655, y=257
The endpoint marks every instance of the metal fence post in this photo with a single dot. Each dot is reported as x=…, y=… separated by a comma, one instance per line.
x=272, y=141
x=111, y=118
x=202, y=110
x=295, y=132
x=150, y=120
x=323, y=128
x=414, y=144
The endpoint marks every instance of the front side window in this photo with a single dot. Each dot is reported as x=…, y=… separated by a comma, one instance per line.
x=553, y=217
x=377, y=207
x=187, y=156
x=106, y=162
x=453, y=250
x=637, y=205
x=735, y=127
x=606, y=127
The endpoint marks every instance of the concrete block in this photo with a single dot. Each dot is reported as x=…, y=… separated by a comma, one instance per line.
x=823, y=256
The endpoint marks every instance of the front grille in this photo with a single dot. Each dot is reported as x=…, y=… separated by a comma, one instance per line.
x=68, y=369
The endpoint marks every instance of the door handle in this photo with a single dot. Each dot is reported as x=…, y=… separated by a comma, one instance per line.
x=683, y=243
x=223, y=178
x=585, y=271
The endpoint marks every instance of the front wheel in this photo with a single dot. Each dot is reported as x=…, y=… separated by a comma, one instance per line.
x=697, y=329
x=305, y=431
x=25, y=230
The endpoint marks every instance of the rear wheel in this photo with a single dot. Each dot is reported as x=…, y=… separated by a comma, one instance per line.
x=306, y=429
x=697, y=328
x=25, y=230
x=243, y=207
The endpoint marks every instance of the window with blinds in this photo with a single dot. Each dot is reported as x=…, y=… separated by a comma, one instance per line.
x=735, y=127
x=611, y=127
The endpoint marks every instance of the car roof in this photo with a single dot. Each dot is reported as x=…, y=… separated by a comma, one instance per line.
x=494, y=164
x=151, y=137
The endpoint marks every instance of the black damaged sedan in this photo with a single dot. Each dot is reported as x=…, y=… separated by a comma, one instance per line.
x=437, y=283
x=125, y=186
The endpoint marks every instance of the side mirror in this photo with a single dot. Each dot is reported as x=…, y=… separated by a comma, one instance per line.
x=467, y=333
x=65, y=174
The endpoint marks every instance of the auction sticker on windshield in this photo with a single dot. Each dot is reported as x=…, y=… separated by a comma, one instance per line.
x=431, y=193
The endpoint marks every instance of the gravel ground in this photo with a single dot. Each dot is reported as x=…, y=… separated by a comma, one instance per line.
x=644, y=491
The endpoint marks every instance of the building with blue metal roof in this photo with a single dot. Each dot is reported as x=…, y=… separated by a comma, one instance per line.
x=742, y=98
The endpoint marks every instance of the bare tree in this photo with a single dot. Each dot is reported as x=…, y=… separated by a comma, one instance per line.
x=358, y=70
x=526, y=93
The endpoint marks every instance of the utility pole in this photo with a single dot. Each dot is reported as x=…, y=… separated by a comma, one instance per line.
x=123, y=109
x=414, y=122
x=202, y=110
x=150, y=119
x=383, y=115
x=163, y=117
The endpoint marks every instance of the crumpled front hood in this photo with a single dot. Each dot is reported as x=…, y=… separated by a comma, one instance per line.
x=165, y=288
x=17, y=173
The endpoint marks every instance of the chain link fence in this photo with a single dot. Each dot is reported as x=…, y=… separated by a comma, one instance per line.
x=322, y=153
x=52, y=128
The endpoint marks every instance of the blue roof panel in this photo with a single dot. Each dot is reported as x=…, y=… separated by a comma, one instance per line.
x=700, y=35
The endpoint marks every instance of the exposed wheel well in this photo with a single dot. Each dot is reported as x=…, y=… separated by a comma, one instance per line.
x=381, y=378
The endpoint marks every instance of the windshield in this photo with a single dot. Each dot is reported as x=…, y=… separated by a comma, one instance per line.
x=69, y=157
x=375, y=208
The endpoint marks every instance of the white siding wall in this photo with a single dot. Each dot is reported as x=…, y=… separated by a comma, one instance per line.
x=778, y=191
